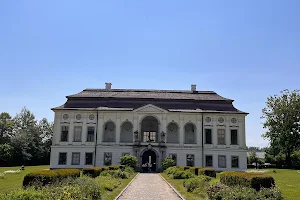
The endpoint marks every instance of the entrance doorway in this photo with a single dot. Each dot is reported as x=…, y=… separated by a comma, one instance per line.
x=149, y=161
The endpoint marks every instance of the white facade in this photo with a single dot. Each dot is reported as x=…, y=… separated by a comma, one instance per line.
x=186, y=137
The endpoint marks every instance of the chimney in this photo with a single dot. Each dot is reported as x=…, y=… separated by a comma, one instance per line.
x=193, y=87
x=108, y=86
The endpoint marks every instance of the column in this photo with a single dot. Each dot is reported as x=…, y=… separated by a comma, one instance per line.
x=199, y=130
x=181, y=128
x=84, y=128
x=242, y=133
x=118, y=128
x=164, y=126
x=100, y=128
x=71, y=128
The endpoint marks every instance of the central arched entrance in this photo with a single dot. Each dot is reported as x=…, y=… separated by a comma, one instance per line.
x=149, y=161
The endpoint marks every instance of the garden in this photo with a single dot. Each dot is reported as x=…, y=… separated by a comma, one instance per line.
x=90, y=183
x=206, y=183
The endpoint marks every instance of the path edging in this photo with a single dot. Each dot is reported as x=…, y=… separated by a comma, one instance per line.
x=178, y=194
x=126, y=187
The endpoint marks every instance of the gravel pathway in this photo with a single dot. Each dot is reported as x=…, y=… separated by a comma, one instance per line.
x=149, y=186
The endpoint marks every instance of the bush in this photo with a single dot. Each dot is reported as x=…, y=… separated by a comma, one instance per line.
x=213, y=191
x=29, y=194
x=171, y=170
x=45, y=177
x=1, y=175
x=250, y=166
x=192, y=184
x=253, y=180
x=204, y=178
x=220, y=191
x=179, y=174
x=129, y=160
x=167, y=162
x=207, y=172
x=107, y=182
x=92, y=172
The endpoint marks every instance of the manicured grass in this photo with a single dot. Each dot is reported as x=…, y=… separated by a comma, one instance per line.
x=288, y=181
x=13, y=181
x=113, y=194
x=178, y=185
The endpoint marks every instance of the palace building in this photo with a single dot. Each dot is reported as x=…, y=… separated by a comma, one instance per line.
x=196, y=128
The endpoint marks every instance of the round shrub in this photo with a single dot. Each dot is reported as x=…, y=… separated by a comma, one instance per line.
x=192, y=184
x=129, y=160
x=167, y=162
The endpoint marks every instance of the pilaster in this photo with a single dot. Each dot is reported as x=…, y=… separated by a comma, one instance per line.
x=118, y=128
x=100, y=128
x=71, y=129
x=181, y=132
x=84, y=128
x=199, y=130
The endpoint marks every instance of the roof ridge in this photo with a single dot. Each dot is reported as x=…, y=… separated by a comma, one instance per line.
x=148, y=90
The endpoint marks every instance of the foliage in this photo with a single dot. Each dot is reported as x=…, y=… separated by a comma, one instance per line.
x=24, y=140
x=253, y=180
x=6, y=126
x=192, y=184
x=182, y=174
x=213, y=191
x=222, y=192
x=2, y=175
x=208, y=172
x=282, y=121
x=129, y=160
x=167, y=162
x=108, y=183
x=46, y=177
x=6, y=152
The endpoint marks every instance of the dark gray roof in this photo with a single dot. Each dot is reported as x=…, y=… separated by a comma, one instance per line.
x=150, y=94
x=129, y=99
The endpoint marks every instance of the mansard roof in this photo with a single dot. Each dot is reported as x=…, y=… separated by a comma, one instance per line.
x=130, y=99
x=150, y=94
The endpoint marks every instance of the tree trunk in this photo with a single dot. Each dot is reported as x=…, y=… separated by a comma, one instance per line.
x=288, y=159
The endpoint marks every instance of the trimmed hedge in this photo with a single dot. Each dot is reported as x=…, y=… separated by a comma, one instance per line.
x=207, y=172
x=96, y=171
x=253, y=180
x=46, y=177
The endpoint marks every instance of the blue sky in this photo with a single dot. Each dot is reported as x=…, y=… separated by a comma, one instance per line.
x=244, y=50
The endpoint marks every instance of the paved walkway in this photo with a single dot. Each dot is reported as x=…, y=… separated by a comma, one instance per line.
x=148, y=187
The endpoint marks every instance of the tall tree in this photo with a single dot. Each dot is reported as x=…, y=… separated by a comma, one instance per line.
x=282, y=119
x=6, y=126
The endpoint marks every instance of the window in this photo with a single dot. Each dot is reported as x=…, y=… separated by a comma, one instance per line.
x=221, y=136
x=234, y=161
x=208, y=161
x=62, y=159
x=208, y=136
x=222, y=161
x=107, y=158
x=75, y=158
x=88, y=158
x=64, y=134
x=174, y=157
x=149, y=137
x=91, y=134
x=77, y=133
x=190, y=160
x=234, y=139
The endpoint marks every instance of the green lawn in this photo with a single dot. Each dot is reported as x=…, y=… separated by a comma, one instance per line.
x=287, y=180
x=12, y=181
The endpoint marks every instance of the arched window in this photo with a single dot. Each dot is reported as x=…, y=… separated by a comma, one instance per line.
x=126, y=132
x=172, y=133
x=109, y=132
x=189, y=134
x=149, y=129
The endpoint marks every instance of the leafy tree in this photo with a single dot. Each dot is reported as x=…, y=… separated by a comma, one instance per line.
x=6, y=126
x=6, y=152
x=282, y=121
